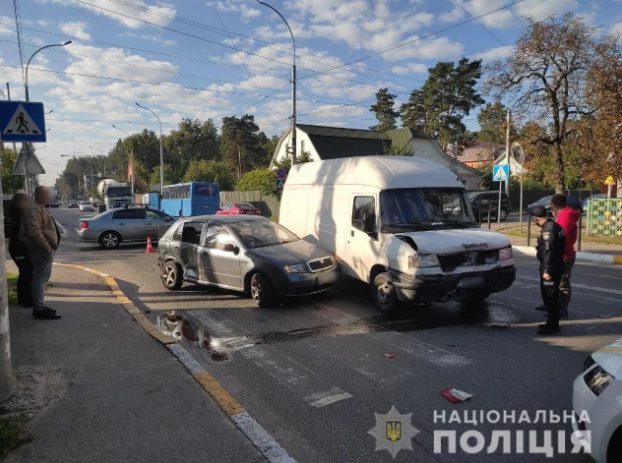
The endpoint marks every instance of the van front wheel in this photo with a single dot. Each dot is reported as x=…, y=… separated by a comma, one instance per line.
x=383, y=291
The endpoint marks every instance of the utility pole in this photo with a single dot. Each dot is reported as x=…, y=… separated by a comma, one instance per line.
x=507, y=150
x=6, y=370
x=161, y=145
x=239, y=163
x=293, y=128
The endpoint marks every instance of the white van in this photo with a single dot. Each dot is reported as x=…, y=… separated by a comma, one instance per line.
x=402, y=224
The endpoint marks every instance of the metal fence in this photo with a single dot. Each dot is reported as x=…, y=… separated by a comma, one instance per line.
x=604, y=217
x=268, y=204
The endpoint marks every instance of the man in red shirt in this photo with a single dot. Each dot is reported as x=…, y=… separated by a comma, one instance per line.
x=567, y=218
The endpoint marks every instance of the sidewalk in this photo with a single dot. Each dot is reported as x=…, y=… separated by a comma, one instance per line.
x=97, y=388
x=594, y=248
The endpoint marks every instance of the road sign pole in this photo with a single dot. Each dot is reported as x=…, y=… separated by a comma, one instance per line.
x=499, y=208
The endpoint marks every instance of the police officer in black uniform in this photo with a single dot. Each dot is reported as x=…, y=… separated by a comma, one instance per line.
x=550, y=252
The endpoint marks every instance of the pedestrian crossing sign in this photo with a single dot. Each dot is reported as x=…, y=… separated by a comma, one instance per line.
x=500, y=172
x=22, y=121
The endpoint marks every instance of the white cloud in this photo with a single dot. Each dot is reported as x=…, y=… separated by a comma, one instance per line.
x=410, y=68
x=150, y=38
x=129, y=13
x=76, y=29
x=6, y=25
x=495, y=53
x=499, y=20
x=242, y=8
x=437, y=48
x=452, y=16
x=616, y=29
x=539, y=9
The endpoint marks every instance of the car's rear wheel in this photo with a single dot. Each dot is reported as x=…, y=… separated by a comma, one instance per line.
x=170, y=274
x=110, y=239
x=614, y=451
x=261, y=290
x=384, y=294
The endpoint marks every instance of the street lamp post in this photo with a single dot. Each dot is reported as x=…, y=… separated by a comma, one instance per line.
x=161, y=147
x=30, y=59
x=293, y=129
x=101, y=153
x=131, y=155
x=27, y=95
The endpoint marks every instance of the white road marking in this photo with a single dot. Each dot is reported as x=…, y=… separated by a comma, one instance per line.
x=321, y=399
x=582, y=286
x=264, y=442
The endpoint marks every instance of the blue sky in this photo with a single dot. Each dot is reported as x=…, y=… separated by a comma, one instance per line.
x=215, y=58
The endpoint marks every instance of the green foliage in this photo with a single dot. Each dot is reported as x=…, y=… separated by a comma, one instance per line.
x=192, y=141
x=384, y=109
x=10, y=183
x=263, y=180
x=170, y=176
x=210, y=171
x=447, y=96
x=493, y=122
x=12, y=435
x=242, y=146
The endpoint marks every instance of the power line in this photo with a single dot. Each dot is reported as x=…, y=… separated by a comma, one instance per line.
x=185, y=87
x=408, y=42
x=252, y=39
x=481, y=23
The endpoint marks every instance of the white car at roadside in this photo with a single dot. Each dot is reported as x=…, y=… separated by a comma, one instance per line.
x=86, y=206
x=598, y=391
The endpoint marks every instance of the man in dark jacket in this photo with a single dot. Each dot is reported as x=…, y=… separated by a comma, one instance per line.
x=550, y=252
x=18, y=250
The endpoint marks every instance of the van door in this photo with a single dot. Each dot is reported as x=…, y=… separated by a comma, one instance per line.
x=362, y=246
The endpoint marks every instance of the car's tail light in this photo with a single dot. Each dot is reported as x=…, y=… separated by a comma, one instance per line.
x=84, y=225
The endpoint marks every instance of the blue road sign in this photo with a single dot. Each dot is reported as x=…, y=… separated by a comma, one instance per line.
x=22, y=121
x=500, y=172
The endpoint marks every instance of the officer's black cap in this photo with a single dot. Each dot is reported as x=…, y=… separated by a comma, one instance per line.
x=539, y=211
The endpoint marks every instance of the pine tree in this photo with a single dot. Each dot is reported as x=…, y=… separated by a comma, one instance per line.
x=384, y=109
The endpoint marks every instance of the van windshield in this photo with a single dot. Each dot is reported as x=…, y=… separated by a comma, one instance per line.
x=424, y=209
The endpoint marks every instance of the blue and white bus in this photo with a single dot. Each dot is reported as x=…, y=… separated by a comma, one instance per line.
x=188, y=199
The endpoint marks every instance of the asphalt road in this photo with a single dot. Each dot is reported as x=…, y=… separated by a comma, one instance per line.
x=314, y=371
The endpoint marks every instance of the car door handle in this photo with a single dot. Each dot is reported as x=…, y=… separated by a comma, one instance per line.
x=122, y=223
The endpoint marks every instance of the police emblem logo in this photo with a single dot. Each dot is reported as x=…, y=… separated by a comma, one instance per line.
x=393, y=431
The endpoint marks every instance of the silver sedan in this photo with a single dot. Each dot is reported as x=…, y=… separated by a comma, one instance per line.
x=128, y=225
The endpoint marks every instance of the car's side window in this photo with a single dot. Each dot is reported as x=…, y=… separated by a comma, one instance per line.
x=178, y=233
x=216, y=237
x=129, y=214
x=191, y=233
x=363, y=207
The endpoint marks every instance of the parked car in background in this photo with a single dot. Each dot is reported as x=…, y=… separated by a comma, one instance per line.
x=545, y=201
x=86, y=206
x=127, y=225
x=597, y=391
x=238, y=208
x=244, y=253
x=484, y=201
x=54, y=203
x=72, y=204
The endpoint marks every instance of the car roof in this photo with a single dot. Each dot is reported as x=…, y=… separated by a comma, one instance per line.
x=222, y=218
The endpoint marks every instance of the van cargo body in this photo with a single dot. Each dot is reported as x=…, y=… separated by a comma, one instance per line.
x=402, y=224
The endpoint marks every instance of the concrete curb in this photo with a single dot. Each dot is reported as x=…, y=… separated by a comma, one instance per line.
x=259, y=437
x=581, y=256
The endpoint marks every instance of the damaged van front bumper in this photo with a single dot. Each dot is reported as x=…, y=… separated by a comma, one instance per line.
x=434, y=287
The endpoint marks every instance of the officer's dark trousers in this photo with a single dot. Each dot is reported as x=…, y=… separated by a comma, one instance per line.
x=550, y=297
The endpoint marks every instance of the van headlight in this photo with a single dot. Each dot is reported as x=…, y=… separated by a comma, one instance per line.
x=506, y=253
x=597, y=380
x=423, y=261
x=295, y=268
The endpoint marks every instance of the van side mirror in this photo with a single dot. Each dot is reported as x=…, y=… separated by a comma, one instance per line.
x=369, y=223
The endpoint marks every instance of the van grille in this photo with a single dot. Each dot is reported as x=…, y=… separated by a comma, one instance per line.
x=468, y=259
x=323, y=263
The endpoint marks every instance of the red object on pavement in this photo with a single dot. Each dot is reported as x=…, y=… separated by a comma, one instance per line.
x=389, y=355
x=149, y=249
x=455, y=396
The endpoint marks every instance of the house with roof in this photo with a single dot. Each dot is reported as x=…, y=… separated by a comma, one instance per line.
x=482, y=154
x=322, y=142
